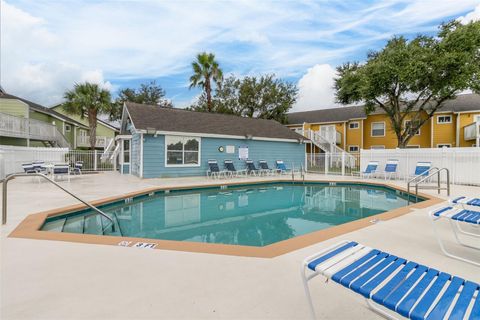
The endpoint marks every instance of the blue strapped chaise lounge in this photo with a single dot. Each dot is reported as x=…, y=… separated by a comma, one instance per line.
x=281, y=168
x=214, y=170
x=391, y=169
x=467, y=201
x=230, y=167
x=405, y=287
x=370, y=170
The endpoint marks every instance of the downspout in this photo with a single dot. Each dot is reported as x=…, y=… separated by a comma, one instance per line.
x=345, y=135
x=431, y=131
x=141, y=155
x=361, y=134
x=457, y=131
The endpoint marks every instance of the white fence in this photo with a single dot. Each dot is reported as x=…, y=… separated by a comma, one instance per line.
x=463, y=163
x=12, y=158
x=343, y=163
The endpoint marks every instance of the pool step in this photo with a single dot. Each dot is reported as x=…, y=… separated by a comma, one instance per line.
x=108, y=228
x=74, y=224
x=87, y=224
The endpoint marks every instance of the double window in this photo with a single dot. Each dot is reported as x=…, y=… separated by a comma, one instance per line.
x=409, y=126
x=444, y=119
x=353, y=148
x=378, y=129
x=182, y=151
x=354, y=125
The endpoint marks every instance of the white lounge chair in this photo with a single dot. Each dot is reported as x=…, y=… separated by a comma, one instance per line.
x=405, y=287
x=457, y=216
x=370, y=170
x=391, y=169
x=466, y=201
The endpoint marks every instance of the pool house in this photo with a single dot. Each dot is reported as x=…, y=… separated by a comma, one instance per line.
x=157, y=142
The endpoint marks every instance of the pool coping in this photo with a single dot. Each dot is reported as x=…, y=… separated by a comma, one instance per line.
x=29, y=227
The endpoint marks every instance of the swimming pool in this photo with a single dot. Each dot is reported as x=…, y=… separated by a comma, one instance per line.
x=249, y=215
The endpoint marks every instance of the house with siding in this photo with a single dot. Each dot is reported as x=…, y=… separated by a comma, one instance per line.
x=456, y=124
x=168, y=142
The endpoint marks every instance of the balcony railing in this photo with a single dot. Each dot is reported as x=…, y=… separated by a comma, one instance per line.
x=330, y=136
x=19, y=127
x=100, y=141
x=472, y=131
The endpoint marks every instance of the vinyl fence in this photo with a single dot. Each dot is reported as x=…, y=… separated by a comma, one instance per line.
x=337, y=164
x=12, y=158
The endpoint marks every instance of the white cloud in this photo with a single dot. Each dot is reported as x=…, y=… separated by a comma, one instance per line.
x=471, y=16
x=316, y=89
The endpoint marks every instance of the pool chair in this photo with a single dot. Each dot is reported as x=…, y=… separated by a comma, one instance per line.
x=466, y=201
x=391, y=170
x=214, y=170
x=458, y=217
x=370, y=170
x=39, y=167
x=61, y=170
x=391, y=284
x=77, y=167
x=264, y=168
x=230, y=168
x=422, y=169
x=281, y=168
x=251, y=169
x=28, y=168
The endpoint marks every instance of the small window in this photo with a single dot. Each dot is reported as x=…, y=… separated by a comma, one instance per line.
x=67, y=128
x=413, y=146
x=444, y=145
x=444, y=119
x=377, y=147
x=126, y=151
x=182, y=151
x=353, y=148
x=354, y=125
x=378, y=129
x=408, y=126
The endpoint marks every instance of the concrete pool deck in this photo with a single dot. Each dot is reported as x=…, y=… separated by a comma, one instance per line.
x=64, y=280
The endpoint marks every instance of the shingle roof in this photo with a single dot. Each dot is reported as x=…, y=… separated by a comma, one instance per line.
x=463, y=102
x=179, y=120
x=39, y=108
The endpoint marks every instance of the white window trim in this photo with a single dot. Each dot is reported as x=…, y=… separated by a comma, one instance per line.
x=358, y=125
x=447, y=115
x=444, y=144
x=405, y=126
x=377, y=147
x=413, y=146
x=68, y=126
x=184, y=165
x=129, y=151
x=356, y=146
x=384, y=129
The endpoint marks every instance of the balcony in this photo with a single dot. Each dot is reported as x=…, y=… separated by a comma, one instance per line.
x=19, y=127
x=100, y=142
x=472, y=131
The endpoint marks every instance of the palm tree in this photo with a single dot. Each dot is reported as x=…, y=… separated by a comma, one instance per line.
x=91, y=100
x=206, y=70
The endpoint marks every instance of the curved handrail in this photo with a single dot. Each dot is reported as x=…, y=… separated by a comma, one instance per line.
x=434, y=171
x=14, y=175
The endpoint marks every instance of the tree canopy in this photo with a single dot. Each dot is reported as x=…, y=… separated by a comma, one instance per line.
x=263, y=97
x=205, y=71
x=91, y=100
x=412, y=79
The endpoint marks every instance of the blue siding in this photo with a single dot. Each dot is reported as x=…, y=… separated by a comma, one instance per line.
x=125, y=168
x=154, y=155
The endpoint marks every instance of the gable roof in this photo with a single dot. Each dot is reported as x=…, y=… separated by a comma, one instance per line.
x=36, y=107
x=101, y=121
x=462, y=103
x=150, y=117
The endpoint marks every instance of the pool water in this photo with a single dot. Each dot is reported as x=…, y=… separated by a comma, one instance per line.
x=250, y=215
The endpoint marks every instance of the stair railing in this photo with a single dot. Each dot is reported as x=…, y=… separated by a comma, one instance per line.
x=423, y=178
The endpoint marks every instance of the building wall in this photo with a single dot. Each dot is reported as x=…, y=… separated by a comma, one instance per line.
x=154, y=155
x=465, y=120
x=444, y=133
x=354, y=136
x=14, y=107
x=9, y=141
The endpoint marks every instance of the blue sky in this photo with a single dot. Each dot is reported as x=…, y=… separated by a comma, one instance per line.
x=49, y=45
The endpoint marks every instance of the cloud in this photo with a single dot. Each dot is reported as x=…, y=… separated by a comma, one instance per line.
x=315, y=89
x=471, y=16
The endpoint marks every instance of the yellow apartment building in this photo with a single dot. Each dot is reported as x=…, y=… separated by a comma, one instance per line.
x=457, y=124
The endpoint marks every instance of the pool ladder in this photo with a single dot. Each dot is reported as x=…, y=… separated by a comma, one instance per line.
x=422, y=178
x=302, y=174
x=16, y=175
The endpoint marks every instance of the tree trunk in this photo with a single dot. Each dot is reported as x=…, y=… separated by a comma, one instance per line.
x=92, y=121
x=208, y=91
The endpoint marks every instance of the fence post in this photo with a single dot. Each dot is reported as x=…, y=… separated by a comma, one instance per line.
x=95, y=160
x=326, y=162
x=343, y=163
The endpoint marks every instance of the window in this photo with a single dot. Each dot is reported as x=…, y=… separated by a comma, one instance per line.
x=444, y=119
x=378, y=129
x=353, y=125
x=353, y=148
x=444, y=145
x=126, y=151
x=413, y=146
x=408, y=126
x=182, y=151
x=377, y=147
x=67, y=128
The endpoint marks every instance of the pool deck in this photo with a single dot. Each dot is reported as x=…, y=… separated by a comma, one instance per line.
x=65, y=280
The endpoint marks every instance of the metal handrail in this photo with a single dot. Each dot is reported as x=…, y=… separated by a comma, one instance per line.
x=14, y=175
x=434, y=171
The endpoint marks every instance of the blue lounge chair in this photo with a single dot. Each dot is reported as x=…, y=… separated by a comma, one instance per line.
x=370, y=170
x=457, y=216
x=39, y=167
x=264, y=167
x=405, y=287
x=251, y=169
x=214, y=170
x=61, y=170
x=391, y=169
x=422, y=169
x=467, y=201
x=77, y=167
x=28, y=168
x=281, y=168
x=230, y=167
